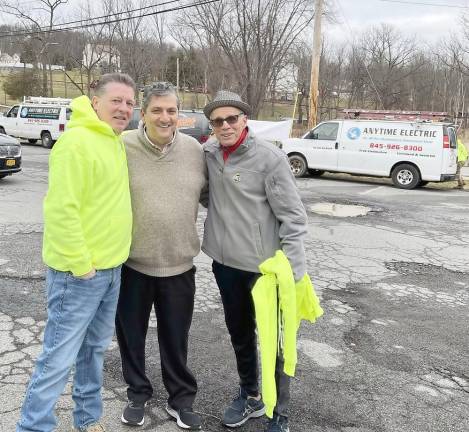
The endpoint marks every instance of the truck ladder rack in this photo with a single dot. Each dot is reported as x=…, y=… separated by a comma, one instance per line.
x=363, y=114
x=47, y=101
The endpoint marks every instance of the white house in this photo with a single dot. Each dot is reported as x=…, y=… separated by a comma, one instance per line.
x=14, y=62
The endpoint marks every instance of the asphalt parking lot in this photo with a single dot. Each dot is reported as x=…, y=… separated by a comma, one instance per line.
x=390, y=354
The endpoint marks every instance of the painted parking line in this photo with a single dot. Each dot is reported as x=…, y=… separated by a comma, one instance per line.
x=372, y=190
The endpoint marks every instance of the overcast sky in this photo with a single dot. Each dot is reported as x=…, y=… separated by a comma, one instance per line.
x=428, y=19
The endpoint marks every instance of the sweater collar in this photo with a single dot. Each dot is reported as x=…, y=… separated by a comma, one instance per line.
x=142, y=135
x=163, y=149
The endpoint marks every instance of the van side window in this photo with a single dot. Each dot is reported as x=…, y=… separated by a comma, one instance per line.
x=452, y=138
x=13, y=112
x=326, y=131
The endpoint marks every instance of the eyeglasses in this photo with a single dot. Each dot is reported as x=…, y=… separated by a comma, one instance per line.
x=231, y=120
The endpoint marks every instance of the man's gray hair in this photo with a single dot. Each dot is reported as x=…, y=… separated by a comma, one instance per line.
x=115, y=77
x=158, y=89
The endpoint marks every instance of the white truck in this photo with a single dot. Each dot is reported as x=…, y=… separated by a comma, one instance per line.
x=37, y=118
x=412, y=148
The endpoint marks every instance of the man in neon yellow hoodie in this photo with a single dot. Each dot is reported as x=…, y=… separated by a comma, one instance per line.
x=87, y=235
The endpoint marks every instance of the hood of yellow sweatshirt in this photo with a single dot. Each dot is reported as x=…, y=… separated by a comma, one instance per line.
x=83, y=115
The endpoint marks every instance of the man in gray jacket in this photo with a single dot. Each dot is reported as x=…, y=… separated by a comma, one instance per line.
x=254, y=210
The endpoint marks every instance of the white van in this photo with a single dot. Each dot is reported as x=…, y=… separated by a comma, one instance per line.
x=411, y=152
x=37, y=118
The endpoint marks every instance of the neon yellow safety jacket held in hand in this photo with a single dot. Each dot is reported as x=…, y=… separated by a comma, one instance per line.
x=278, y=325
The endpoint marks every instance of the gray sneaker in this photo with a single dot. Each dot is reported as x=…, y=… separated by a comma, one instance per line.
x=242, y=409
x=134, y=414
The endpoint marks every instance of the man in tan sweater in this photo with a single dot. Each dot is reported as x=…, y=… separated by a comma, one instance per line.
x=167, y=175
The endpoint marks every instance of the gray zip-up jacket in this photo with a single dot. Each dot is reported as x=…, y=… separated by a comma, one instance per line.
x=254, y=207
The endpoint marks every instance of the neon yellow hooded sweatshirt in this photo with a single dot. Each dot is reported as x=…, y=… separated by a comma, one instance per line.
x=462, y=152
x=87, y=211
x=296, y=302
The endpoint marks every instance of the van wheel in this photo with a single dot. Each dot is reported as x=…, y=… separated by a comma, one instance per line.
x=32, y=141
x=2, y=131
x=405, y=176
x=47, y=140
x=315, y=172
x=297, y=165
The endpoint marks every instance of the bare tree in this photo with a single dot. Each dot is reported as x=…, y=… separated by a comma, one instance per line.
x=358, y=83
x=132, y=39
x=246, y=41
x=92, y=47
x=390, y=58
x=37, y=16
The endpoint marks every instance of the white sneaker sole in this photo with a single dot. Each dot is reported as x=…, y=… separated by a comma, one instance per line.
x=174, y=414
x=254, y=414
x=123, y=420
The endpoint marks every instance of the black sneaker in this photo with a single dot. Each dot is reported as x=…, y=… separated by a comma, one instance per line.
x=134, y=414
x=185, y=418
x=242, y=409
x=278, y=424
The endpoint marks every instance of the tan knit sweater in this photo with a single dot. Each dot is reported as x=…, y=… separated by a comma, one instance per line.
x=165, y=191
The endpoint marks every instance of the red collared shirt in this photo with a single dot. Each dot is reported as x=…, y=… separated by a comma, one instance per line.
x=228, y=150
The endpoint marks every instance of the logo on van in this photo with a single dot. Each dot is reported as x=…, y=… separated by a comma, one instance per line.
x=24, y=112
x=353, y=133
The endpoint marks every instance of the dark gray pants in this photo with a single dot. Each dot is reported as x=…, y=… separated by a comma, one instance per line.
x=235, y=289
x=173, y=298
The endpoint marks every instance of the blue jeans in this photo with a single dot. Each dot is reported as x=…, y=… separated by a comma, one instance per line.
x=79, y=328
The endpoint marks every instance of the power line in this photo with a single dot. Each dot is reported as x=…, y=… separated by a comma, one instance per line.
x=106, y=22
x=45, y=29
x=425, y=4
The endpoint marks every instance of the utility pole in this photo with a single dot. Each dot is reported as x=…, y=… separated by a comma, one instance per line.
x=313, y=87
x=177, y=75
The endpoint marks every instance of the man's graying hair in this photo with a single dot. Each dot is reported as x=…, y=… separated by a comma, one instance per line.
x=116, y=77
x=158, y=89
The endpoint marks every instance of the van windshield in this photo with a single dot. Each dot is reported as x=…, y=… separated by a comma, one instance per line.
x=325, y=131
x=13, y=112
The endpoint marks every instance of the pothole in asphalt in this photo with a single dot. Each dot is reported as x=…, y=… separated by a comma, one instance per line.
x=340, y=210
x=415, y=268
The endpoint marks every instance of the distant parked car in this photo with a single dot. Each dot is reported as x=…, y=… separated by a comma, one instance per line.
x=195, y=124
x=133, y=123
x=10, y=155
x=191, y=122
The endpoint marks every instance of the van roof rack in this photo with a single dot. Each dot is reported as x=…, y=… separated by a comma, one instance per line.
x=46, y=100
x=363, y=114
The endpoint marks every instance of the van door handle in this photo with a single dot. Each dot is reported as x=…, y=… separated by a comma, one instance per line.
x=336, y=145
